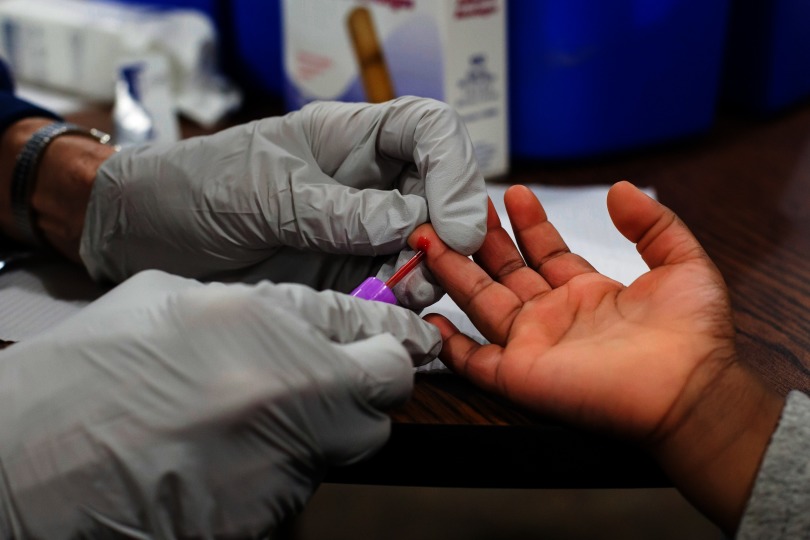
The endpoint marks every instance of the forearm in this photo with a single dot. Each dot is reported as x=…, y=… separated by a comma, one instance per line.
x=62, y=185
x=715, y=453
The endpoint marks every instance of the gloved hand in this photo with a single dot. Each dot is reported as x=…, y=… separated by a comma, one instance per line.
x=279, y=198
x=175, y=409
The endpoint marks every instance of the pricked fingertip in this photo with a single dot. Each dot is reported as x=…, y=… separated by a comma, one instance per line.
x=424, y=231
x=425, y=238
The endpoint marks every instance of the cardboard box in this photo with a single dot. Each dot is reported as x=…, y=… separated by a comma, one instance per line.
x=375, y=50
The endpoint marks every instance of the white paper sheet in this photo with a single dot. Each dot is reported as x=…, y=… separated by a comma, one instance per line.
x=33, y=299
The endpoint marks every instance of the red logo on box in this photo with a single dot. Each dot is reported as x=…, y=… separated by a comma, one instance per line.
x=475, y=8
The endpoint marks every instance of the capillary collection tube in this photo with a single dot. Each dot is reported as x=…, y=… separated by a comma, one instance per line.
x=405, y=269
x=374, y=289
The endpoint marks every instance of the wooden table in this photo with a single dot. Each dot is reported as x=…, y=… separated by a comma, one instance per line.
x=744, y=189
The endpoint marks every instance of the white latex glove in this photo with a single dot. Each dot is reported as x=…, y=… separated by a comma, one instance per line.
x=280, y=197
x=172, y=409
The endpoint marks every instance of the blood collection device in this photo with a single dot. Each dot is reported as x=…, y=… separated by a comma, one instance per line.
x=375, y=289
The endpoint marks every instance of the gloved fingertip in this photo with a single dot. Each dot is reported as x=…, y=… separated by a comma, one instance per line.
x=459, y=211
x=417, y=290
x=434, y=351
x=465, y=238
x=385, y=370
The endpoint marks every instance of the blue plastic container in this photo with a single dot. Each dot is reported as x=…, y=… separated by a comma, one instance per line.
x=589, y=77
x=768, y=54
x=207, y=6
x=257, y=45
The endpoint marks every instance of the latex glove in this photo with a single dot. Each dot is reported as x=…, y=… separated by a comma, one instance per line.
x=174, y=409
x=278, y=198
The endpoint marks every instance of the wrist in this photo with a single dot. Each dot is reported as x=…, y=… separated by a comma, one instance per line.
x=11, y=143
x=714, y=452
x=52, y=189
x=64, y=181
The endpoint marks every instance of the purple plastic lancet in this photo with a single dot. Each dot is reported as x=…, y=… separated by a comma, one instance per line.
x=375, y=289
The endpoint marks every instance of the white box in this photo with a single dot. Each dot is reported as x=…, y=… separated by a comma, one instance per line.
x=374, y=50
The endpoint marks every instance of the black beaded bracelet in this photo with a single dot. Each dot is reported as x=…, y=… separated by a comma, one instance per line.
x=25, y=170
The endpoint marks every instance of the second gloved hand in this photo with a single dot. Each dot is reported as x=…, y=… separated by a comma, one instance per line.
x=322, y=196
x=174, y=409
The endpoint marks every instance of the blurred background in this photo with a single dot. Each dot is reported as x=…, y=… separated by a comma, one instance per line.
x=534, y=80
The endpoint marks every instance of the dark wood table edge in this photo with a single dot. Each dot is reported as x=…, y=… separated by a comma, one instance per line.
x=540, y=456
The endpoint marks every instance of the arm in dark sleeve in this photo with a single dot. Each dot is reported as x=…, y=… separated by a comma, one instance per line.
x=12, y=108
x=780, y=499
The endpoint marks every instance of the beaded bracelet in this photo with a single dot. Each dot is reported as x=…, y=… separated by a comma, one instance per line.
x=25, y=171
